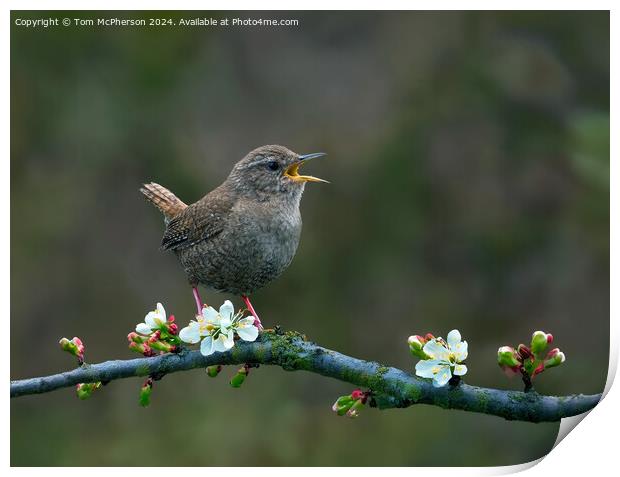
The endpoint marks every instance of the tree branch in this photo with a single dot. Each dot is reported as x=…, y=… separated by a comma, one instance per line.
x=392, y=387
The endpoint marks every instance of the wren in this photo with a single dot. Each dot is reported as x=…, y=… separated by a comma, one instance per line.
x=244, y=233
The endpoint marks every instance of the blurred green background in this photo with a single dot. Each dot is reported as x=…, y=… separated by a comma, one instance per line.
x=469, y=169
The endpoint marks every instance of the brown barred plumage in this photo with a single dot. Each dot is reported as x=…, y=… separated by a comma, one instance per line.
x=163, y=199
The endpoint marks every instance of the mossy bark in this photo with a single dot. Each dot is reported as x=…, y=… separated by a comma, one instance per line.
x=392, y=387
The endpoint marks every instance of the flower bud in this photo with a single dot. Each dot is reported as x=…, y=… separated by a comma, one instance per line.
x=538, y=369
x=524, y=352
x=357, y=394
x=507, y=356
x=137, y=347
x=213, y=371
x=79, y=344
x=142, y=348
x=85, y=390
x=145, y=393
x=355, y=409
x=134, y=337
x=416, y=343
x=74, y=347
x=162, y=346
x=68, y=346
x=554, y=358
x=237, y=379
x=539, y=342
x=343, y=404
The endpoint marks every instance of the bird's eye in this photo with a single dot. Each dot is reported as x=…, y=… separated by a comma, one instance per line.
x=273, y=165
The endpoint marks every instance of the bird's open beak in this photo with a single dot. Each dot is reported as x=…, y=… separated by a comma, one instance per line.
x=292, y=172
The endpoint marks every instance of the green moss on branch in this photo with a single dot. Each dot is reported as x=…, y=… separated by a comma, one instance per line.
x=291, y=351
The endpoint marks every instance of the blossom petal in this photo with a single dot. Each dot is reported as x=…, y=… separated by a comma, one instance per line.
x=227, y=310
x=210, y=314
x=247, y=332
x=229, y=342
x=190, y=334
x=460, y=351
x=436, y=350
x=427, y=368
x=151, y=319
x=245, y=322
x=224, y=341
x=225, y=323
x=206, y=347
x=460, y=370
x=442, y=377
x=454, y=338
x=161, y=311
x=143, y=329
x=218, y=343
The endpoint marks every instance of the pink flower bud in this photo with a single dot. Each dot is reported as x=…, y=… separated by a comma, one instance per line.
x=134, y=337
x=539, y=369
x=554, y=358
x=74, y=347
x=552, y=353
x=79, y=344
x=357, y=394
x=549, y=338
x=524, y=351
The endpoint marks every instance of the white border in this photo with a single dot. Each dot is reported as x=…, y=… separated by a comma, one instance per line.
x=591, y=449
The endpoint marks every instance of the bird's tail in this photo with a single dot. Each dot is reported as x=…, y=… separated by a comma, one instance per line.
x=163, y=199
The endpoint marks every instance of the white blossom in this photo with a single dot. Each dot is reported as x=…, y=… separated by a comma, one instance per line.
x=152, y=321
x=215, y=330
x=445, y=358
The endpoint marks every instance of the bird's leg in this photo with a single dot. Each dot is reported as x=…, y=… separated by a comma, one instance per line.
x=247, y=302
x=197, y=299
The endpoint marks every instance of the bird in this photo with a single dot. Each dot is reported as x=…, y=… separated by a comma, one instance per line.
x=245, y=232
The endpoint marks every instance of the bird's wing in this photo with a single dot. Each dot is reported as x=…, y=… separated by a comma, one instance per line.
x=202, y=220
